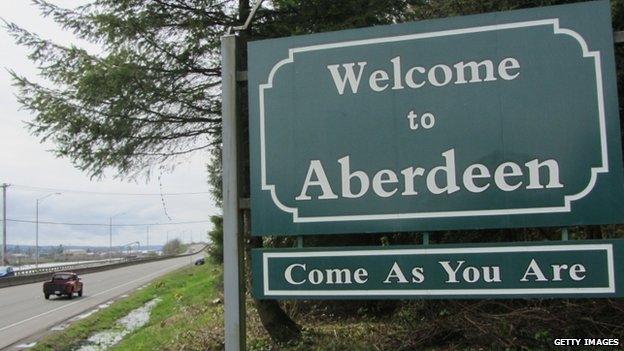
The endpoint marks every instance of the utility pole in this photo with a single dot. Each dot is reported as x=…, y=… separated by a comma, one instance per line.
x=37, y=234
x=110, y=235
x=4, y=224
x=110, y=239
x=147, y=247
x=37, y=228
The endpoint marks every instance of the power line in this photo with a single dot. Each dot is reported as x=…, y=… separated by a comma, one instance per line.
x=107, y=224
x=162, y=199
x=36, y=188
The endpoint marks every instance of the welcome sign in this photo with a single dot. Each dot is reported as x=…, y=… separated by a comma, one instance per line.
x=499, y=120
x=545, y=269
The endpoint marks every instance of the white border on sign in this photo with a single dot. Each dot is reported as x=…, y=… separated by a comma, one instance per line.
x=604, y=168
x=441, y=292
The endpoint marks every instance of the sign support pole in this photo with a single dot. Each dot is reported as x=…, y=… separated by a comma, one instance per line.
x=300, y=241
x=425, y=236
x=564, y=234
x=234, y=291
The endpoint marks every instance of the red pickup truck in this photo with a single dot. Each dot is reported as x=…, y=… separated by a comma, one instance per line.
x=63, y=283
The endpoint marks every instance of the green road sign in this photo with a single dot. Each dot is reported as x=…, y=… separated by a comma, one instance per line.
x=500, y=120
x=544, y=269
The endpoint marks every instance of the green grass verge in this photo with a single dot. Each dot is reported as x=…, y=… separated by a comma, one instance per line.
x=186, y=318
x=189, y=318
x=186, y=306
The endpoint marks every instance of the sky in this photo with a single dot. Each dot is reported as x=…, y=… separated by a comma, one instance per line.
x=27, y=164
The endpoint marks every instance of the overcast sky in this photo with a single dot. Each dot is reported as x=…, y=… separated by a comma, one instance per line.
x=27, y=163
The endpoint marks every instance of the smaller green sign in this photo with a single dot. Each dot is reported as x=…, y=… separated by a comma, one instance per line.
x=544, y=269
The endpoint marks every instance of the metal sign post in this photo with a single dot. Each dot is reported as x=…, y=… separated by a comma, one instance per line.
x=232, y=248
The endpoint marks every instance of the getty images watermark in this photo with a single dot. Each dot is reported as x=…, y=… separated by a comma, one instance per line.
x=586, y=342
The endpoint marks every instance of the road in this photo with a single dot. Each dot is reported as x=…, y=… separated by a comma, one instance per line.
x=24, y=311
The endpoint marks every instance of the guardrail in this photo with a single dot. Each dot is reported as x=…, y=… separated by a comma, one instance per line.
x=43, y=276
x=62, y=267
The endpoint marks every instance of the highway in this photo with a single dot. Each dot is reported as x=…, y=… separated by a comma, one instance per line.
x=24, y=312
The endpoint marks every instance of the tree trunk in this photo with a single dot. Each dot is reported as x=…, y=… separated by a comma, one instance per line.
x=277, y=323
x=594, y=232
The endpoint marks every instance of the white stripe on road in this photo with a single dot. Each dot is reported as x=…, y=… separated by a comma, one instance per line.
x=82, y=300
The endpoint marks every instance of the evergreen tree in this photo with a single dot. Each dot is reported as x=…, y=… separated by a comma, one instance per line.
x=215, y=236
x=150, y=95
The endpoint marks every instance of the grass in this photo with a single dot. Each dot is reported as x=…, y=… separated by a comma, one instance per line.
x=339, y=335
x=186, y=318
x=186, y=297
x=190, y=317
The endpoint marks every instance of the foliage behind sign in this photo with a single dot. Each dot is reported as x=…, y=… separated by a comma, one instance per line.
x=499, y=120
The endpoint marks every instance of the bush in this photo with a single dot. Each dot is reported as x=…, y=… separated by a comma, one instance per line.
x=215, y=251
x=173, y=247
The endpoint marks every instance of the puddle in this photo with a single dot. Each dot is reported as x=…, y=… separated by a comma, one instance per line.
x=132, y=321
x=60, y=327
x=103, y=340
x=139, y=317
x=26, y=346
x=85, y=315
x=104, y=305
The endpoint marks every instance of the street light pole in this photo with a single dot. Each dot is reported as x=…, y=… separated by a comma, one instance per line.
x=110, y=238
x=4, y=226
x=37, y=228
x=110, y=235
x=37, y=235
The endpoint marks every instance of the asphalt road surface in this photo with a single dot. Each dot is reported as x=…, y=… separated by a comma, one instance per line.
x=24, y=312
